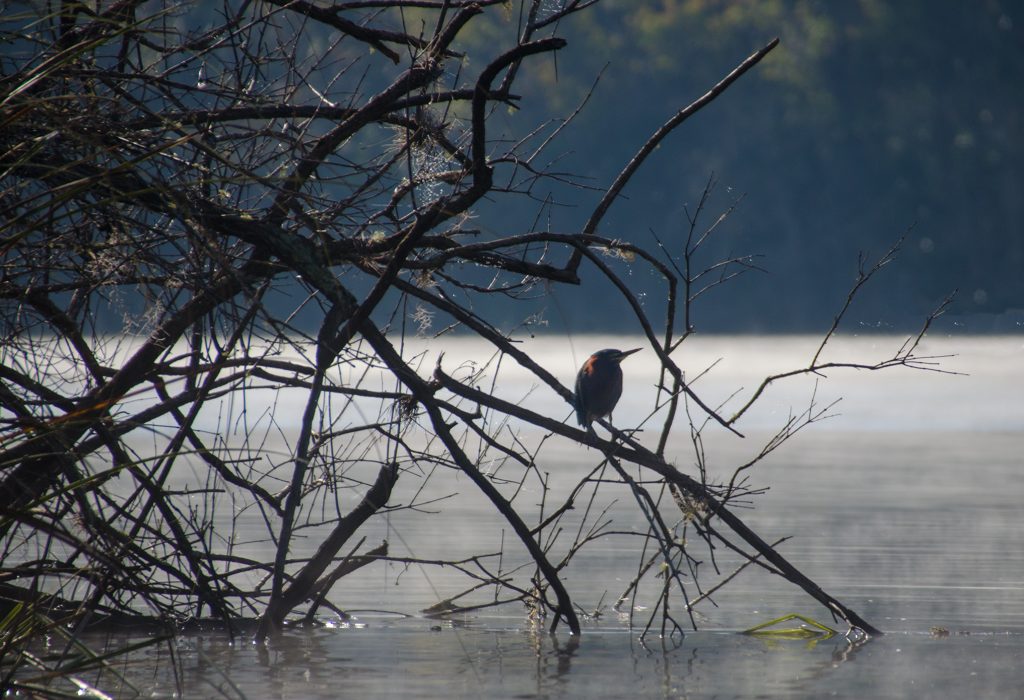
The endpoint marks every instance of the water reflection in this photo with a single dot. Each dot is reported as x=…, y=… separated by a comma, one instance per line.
x=417, y=658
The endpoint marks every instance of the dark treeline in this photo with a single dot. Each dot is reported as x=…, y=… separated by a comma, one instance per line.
x=870, y=121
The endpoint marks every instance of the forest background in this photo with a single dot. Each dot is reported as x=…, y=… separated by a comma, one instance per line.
x=871, y=120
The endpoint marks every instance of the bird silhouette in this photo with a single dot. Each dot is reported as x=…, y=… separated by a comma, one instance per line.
x=599, y=385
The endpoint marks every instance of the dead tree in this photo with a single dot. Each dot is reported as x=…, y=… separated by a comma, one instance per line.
x=172, y=179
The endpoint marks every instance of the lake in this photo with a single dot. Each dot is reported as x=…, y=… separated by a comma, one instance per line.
x=906, y=504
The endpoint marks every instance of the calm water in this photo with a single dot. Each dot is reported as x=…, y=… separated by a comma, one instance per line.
x=907, y=506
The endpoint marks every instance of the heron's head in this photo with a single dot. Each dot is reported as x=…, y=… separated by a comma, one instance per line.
x=615, y=355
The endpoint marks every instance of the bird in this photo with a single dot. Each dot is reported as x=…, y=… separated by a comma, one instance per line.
x=599, y=385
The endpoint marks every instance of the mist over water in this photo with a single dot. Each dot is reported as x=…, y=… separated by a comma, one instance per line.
x=906, y=505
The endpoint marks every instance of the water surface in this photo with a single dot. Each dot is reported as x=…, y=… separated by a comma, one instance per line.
x=907, y=506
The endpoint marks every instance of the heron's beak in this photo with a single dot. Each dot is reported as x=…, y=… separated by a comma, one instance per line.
x=625, y=353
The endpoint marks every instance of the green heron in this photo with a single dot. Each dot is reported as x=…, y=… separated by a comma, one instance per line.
x=599, y=385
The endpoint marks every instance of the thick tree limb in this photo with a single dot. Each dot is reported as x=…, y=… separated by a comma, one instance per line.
x=303, y=585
